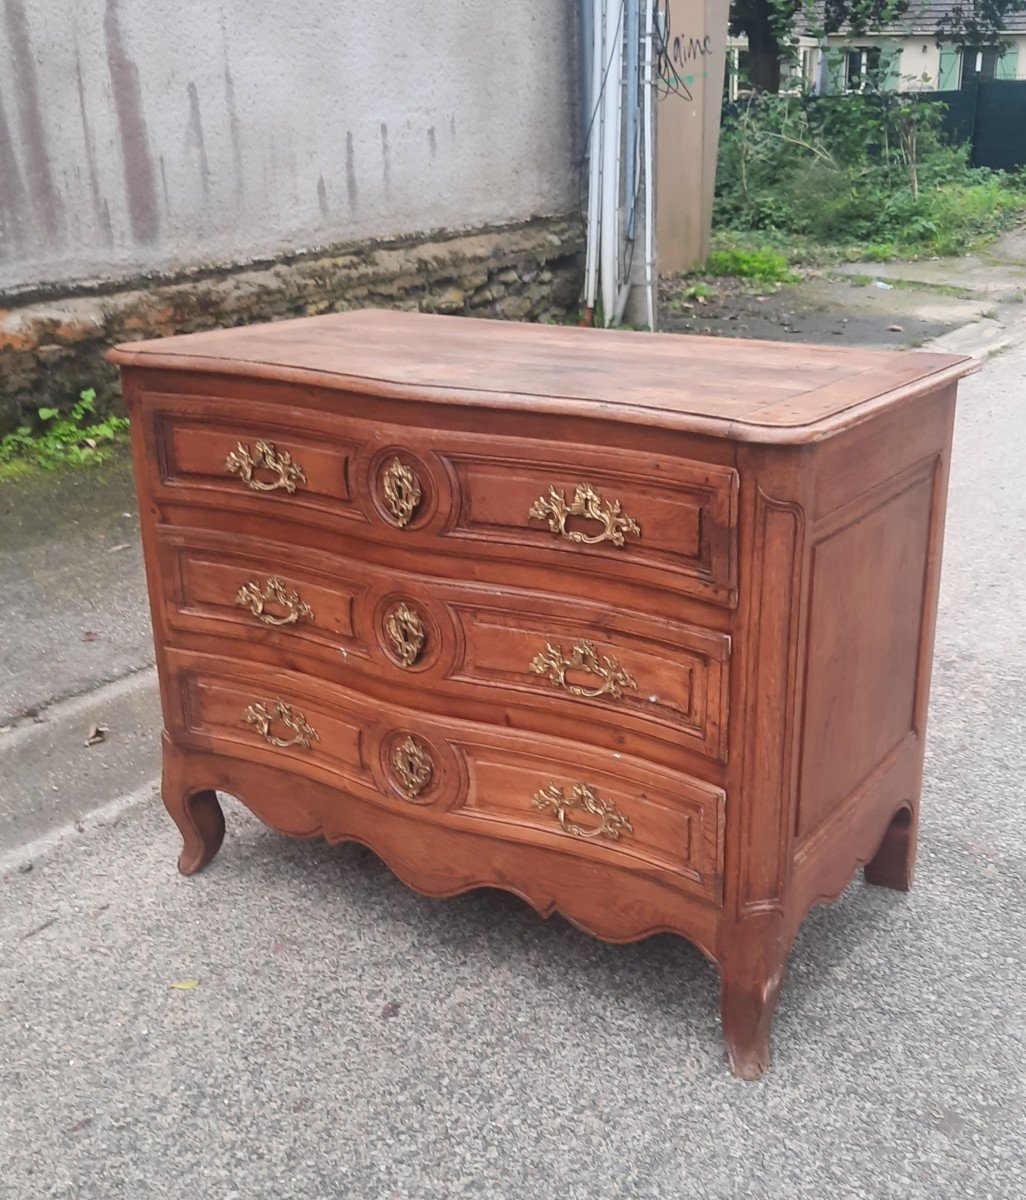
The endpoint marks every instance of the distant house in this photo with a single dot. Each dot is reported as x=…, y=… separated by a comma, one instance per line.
x=904, y=55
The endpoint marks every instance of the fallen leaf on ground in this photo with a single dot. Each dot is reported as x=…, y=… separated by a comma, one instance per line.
x=184, y=985
x=97, y=734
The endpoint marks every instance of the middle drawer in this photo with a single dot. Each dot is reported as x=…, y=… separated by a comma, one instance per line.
x=520, y=659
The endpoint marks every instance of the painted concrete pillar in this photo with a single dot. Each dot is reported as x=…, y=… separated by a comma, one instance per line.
x=687, y=132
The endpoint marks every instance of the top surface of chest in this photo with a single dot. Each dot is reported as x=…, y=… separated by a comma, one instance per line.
x=739, y=390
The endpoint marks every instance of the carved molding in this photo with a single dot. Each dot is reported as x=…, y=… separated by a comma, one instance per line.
x=441, y=867
x=772, y=665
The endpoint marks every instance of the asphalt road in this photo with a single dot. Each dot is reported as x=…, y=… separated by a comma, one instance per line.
x=349, y=1038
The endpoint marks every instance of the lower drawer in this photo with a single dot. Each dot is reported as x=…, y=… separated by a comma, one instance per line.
x=535, y=661
x=531, y=789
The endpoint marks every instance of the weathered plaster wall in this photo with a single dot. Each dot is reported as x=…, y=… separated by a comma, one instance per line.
x=145, y=136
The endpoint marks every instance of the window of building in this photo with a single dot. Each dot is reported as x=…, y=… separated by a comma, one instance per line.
x=861, y=67
x=810, y=56
x=735, y=82
x=978, y=62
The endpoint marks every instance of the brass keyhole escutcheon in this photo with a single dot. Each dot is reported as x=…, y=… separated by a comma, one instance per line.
x=402, y=490
x=406, y=632
x=412, y=766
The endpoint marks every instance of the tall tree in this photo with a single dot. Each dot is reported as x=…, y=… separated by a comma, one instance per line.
x=771, y=25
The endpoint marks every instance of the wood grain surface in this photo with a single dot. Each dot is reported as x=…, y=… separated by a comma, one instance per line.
x=744, y=390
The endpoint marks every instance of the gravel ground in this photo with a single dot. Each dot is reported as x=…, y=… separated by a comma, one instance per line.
x=347, y=1038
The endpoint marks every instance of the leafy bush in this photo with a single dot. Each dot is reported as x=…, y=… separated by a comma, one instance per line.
x=77, y=439
x=870, y=168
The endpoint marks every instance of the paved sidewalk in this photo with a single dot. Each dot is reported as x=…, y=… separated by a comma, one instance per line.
x=75, y=650
x=348, y=1038
x=73, y=612
x=970, y=305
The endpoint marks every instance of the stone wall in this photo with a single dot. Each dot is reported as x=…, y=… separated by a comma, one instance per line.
x=51, y=349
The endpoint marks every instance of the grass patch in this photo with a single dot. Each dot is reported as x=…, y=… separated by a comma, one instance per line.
x=697, y=290
x=762, y=265
x=80, y=439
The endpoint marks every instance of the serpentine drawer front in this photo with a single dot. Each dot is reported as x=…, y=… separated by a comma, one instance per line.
x=587, y=511
x=636, y=626
x=620, y=676
x=529, y=789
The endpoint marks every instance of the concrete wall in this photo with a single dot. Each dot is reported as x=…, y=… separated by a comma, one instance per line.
x=145, y=136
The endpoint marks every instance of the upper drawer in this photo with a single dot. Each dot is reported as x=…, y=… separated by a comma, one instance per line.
x=613, y=515
x=598, y=511
x=279, y=464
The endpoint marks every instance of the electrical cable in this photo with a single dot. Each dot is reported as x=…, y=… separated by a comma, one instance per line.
x=669, y=83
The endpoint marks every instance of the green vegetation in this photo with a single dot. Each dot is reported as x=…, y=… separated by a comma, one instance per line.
x=868, y=176
x=697, y=290
x=80, y=439
x=760, y=264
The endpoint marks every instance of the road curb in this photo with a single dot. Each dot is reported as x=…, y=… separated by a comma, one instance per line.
x=981, y=339
x=22, y=858
x=50, y=779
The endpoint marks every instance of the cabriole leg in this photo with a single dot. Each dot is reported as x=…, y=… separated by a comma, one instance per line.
x=893, y=865
x=196, y=813
x=747, y=1003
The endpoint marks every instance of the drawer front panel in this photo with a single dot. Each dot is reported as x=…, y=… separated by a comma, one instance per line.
x=275, y=722
x=524, y=660
x=676, y=825
x=259, y=462
x=590, y=511
x=216, y=586
x=591, y=518
x=668, y=680
x=543, y=791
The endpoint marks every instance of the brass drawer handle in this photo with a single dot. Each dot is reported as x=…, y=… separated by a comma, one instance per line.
x=582, y=798
x=413, y=766
x=587, y=502
x=402, y=491
x=583, y=657
x=254, y=597
x=406, y=632
x=242, y=463
x=260, y=717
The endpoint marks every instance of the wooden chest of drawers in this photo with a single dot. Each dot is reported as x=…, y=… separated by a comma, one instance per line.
x=636, y=627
